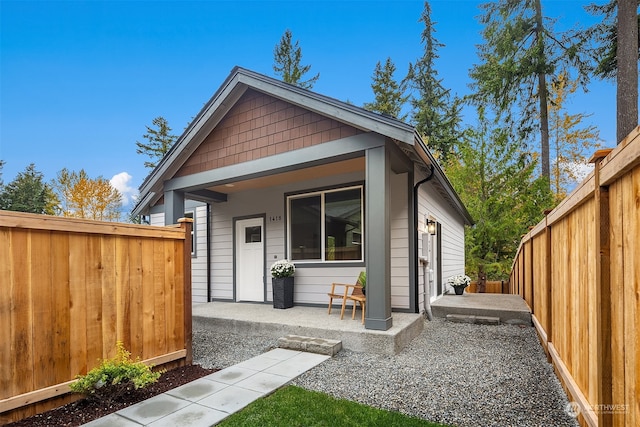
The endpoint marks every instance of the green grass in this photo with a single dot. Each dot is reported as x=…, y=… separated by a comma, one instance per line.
x=294, y=406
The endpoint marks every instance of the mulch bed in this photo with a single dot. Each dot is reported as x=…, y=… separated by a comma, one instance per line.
x=85, y=410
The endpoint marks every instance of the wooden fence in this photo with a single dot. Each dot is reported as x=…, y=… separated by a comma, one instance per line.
x=70, y=289
x=579, y=271
x=492, y=287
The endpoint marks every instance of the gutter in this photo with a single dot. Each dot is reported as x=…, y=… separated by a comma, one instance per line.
x=416, y=306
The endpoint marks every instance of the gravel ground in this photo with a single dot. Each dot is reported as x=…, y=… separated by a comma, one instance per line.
x=453, y=373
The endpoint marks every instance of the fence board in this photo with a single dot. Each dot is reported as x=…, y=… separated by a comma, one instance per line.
x=632, y=296
x=21, y=338
x=108, y=295
x=6, y=277
x=160, y=326
x=93, y=301
x=540, y=303
x=61, y=296
x=147, y=297
x=137, y=310
x=617, y=298
x=77, y=304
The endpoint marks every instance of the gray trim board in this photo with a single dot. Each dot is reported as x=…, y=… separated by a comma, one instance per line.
x=341, y=149
x=377, y=239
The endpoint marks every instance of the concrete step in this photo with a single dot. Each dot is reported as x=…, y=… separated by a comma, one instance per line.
x=480, y=320
x=310, y=344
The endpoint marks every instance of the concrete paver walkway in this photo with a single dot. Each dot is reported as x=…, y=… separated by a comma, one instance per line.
x=208, y=400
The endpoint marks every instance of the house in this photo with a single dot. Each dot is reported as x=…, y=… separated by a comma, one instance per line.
x=270, y=171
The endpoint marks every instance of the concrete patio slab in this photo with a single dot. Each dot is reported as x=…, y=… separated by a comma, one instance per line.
x=112, y=420
x=196, y=390
x=231, y=399
x=153, y=409
x=297, y=365
x=510, y=309
x=193, y=415
x=263, y=382
x=231, y=375
x=263, y=319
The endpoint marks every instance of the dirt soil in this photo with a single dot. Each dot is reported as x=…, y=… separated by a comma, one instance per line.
x=85, y=410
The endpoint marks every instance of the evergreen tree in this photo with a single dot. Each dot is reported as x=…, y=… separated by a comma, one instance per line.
x=572, y=143
x=286, y=63
x=495, y=180
x=436, y=114
x=389, y=94
x=615, y=55
x=519, y=54
x=159, y=142
x=28, y=193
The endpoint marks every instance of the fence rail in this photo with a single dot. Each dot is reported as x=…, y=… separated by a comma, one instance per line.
x=70, y=289
x=579, y=271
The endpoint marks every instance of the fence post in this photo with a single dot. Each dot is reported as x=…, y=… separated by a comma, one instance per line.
x=603, y=292
x=187, y=226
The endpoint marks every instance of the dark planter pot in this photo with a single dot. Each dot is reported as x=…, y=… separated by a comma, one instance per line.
x=282, y=292
x=459, y=290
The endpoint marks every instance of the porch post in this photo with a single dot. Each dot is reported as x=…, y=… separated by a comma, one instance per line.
x=173, y=206
x=378, y=238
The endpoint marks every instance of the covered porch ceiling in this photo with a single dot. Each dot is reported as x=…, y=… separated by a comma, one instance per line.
x=314, y=172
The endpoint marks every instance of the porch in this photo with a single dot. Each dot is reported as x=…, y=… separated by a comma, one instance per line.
x=263, y=319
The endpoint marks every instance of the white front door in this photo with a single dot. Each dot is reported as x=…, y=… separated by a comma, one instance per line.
x=250, y=260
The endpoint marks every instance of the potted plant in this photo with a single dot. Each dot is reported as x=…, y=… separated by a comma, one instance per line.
x=459, y=282
x=362, y=279
x=282, y=283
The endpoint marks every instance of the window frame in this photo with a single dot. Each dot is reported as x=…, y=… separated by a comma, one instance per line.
x=322, y=193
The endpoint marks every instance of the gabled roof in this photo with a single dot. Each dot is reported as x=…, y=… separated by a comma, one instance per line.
x=236, y=84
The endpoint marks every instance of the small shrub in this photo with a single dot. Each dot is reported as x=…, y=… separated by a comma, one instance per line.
x=115, y=376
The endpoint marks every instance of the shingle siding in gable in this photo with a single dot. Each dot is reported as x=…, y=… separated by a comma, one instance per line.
x=258, y=126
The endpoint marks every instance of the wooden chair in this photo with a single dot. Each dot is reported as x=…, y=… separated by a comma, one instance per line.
x=357, y=296
x=352, y=293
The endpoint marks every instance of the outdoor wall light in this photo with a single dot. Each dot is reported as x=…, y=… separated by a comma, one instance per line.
x=431, y=226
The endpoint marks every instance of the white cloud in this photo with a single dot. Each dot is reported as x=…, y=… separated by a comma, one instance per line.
x=122, y=183
x=581, y=170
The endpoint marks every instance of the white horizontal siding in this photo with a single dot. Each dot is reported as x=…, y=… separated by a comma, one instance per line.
x=431, y=203
x=312, y=284
x=399, y=245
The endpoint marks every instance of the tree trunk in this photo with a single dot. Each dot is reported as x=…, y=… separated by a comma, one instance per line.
x=627, y=57
x=482, y=280
x=542, y=96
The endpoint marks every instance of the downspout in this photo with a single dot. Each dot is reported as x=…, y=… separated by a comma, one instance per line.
x=416, y=236
x=208, y=252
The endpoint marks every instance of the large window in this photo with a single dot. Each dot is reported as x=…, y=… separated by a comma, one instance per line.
x=326, y=225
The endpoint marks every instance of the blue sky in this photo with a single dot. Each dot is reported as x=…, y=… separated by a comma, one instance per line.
x=79, y=81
